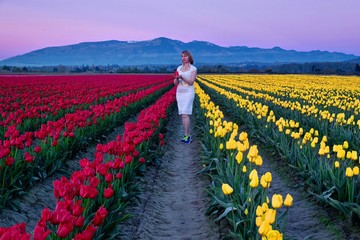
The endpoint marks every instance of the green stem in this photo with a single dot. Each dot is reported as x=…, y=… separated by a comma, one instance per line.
x=233, y=214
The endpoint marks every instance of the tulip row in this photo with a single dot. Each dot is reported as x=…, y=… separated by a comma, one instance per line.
x=292, y=127
x=315, y=113
x=26, y=158
x=92, y=201
x=34, y=100
x=309, y=91
x=237, y=190
x=334, y=183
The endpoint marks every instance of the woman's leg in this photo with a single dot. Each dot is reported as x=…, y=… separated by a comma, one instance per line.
x=186, y=123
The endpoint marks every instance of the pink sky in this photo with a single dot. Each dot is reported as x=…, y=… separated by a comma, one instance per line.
x=329, y=25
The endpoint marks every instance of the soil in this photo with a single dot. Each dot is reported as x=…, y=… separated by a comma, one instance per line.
x=174, y=200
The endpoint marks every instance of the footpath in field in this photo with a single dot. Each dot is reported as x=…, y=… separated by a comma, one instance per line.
x=174, y=203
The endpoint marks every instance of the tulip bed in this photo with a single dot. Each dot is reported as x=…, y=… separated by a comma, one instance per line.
x=237, y=191
x=90, y=203
x=312, y=122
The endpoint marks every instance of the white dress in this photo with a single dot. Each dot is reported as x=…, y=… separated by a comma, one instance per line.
x=185, y=93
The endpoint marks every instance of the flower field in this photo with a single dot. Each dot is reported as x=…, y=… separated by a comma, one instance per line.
x=310, y=122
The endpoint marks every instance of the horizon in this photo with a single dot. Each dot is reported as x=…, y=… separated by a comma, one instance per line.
x=310, y=25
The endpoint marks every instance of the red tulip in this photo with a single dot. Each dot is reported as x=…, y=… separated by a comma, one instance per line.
x=108, y=192
x=100, y=215
x=9, y=161
x=28, y=157
x=79, y=222
x=37, y=149
x=87, y=234
x=64, y=229
x=41, y=232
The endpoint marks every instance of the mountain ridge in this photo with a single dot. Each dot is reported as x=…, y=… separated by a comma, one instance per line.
x=164, y=50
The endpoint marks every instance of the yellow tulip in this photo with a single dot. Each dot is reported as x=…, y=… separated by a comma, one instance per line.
x=345, y=145
x=296, y=135
x=340, y=154
x=246, y=212
x=263, y=183
x=246, y=144
x=258, y=160
x=349, y=172
x=243, y=136
x=356, y=170
x=270, y=216
x=264, y=228
x=253, y=174
x=274, y=235
x=227, y=189
x=231, y=144
x=239, y=157
x=244, y=169
x=221, y=147
x=354, y=155
x=337, y=164
x=288, y=202
x=259, y=211
x=265, y=206
x=268, y=177
x=253, y=151
x=276, y=201
x=327, y=149
x=258, y=221
x=241, y=147
x=254, y=182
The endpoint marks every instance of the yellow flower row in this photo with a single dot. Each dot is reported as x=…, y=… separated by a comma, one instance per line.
x=224, y=129
x=291, y=127
x=256, y=89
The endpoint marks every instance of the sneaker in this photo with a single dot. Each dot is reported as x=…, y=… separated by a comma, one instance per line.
x=184, y=139
x=188, y=140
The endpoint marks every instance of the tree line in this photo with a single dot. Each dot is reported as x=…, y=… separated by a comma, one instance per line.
x=335, y=68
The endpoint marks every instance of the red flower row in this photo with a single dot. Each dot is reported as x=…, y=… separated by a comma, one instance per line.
x=97, y=182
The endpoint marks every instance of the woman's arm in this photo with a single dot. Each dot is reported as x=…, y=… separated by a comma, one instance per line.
x=192, y=78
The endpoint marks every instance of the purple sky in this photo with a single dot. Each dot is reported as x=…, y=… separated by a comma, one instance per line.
x=331, y=25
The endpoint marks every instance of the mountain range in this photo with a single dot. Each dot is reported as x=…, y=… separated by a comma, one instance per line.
x=165, y=51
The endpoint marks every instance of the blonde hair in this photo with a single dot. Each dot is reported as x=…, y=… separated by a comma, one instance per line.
x=188, y=53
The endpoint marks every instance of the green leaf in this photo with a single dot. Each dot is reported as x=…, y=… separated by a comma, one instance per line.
x=224, y=214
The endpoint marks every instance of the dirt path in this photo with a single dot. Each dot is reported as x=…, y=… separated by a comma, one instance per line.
x=304, y=217
x=174, y=203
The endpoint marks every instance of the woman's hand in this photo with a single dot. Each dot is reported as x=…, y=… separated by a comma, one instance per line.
x=176, y=77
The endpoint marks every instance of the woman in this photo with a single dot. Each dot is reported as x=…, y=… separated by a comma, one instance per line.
x=184, y=77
